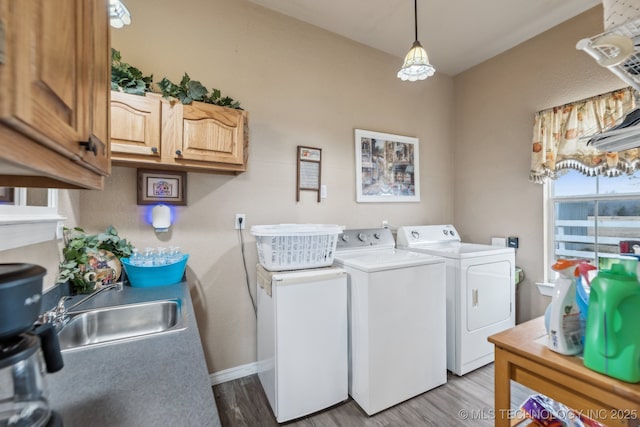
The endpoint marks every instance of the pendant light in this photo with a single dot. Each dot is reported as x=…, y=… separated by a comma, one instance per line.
x=119, y=15
x=416, y=64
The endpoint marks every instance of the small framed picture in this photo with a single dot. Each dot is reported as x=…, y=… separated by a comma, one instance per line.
x=309, y=170
x=168, y=187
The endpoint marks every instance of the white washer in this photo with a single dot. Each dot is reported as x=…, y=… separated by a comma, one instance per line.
x=397, y=346
x=302, y=339
x=480, y=291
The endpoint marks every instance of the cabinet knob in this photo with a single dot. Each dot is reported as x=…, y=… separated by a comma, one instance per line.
x=154, y=150
x=178, y=152
x=90, y=145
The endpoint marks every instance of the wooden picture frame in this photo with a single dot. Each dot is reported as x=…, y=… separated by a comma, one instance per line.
x=6, y=195
x=309, y=170
x=387, y=167
x=167, y=187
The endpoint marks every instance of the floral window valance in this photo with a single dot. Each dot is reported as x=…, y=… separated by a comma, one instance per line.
x=560, y=136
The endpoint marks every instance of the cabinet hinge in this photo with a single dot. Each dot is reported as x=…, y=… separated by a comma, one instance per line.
x=2, y=41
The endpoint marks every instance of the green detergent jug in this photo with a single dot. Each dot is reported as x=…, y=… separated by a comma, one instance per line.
x=612, y=337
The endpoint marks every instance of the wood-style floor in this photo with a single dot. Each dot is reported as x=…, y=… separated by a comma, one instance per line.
x=462, y=401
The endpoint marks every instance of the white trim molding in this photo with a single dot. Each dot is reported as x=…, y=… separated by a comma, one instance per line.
x=15, y=235
x=22, y=225
x=233, y=373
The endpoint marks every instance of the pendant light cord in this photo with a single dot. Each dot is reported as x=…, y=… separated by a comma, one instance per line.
x=415, y=17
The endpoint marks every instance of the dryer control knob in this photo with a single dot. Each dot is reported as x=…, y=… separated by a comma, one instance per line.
x=376, y=235
x=362, y=237
x=415, y=234
x=445, y=232
x=345, y=237
x=453, y=233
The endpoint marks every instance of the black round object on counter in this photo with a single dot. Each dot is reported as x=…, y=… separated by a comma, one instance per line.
x=20, y=297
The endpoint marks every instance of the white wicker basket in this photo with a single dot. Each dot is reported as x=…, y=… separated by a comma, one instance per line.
x=296, y=246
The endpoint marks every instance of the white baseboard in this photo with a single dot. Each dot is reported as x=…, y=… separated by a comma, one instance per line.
x=233, y=373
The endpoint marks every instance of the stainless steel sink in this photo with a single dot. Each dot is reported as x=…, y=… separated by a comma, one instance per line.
x=110, y=325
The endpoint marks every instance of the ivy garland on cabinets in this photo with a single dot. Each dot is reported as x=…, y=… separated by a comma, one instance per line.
x=129, y=79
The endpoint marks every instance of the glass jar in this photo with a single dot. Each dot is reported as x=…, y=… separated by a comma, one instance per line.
x=23, y=396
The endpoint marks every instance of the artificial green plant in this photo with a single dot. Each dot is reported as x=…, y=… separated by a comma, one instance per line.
x=78, y=247
x=127, y=78
x=192, y=90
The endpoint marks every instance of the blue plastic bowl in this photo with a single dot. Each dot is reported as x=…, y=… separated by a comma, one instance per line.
x=160, y=275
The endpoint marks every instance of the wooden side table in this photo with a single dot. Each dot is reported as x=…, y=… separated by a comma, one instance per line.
x=521, y=355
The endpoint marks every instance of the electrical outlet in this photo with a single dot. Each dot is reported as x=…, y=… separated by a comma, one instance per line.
x=513, y=242
x=241, y=221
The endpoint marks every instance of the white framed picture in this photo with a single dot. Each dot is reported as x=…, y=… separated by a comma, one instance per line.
x=387, y=168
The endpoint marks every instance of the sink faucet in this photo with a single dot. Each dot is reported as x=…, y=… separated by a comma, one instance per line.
x=58, y=315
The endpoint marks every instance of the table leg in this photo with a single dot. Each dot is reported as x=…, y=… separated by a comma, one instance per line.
x=502, y=387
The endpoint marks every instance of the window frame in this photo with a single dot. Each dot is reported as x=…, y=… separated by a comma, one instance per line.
x=549, y=221
x=22, y=225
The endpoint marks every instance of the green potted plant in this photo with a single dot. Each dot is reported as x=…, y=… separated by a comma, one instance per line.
x=92, y=260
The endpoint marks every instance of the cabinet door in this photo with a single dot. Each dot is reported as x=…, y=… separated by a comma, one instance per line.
x=50, y=85
x=209, y=133
x=47, y=66
x=97, y=26
x=135, y=126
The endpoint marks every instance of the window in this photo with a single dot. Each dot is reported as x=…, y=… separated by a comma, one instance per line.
x=28, y=216
x=590, y=215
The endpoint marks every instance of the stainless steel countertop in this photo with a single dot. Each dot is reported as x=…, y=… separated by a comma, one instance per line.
x=159, y=380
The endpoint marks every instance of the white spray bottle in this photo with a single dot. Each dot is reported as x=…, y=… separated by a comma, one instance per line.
x=564, y=319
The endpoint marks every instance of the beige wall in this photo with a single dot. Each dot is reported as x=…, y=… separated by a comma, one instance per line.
x=301, y=86
x=304, y=86
x=494, y=107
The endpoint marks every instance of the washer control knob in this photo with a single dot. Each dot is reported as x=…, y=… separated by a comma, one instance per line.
x=345, y=237
x=362, y=237
x=446, y=232
x=453, y=233
x=415, y=234
x=377, y=235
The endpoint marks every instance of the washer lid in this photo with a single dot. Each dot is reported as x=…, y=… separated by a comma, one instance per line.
x=385, y=259
x=460, y=250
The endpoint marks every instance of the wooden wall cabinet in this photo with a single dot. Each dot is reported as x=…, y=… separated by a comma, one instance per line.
x=150, y=131
x=135, y=127
x=54, y=86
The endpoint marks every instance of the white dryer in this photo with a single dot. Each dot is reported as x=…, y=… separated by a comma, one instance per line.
x=397, y=346
x=480, y=291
